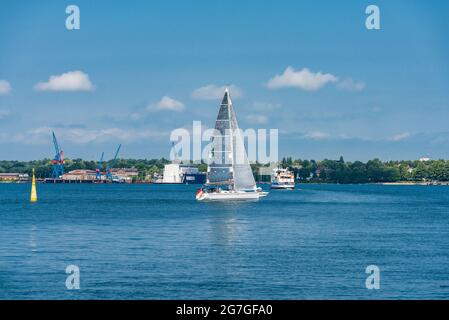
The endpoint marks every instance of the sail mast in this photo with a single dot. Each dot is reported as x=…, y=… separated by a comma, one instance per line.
x=229, y=165
x=243, y=178
x=231, y=135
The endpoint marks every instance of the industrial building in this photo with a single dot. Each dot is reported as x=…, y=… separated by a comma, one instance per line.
x=79, y=176
x=176, y=173
x=125, y=174
x=121, y=175
x=14, y=177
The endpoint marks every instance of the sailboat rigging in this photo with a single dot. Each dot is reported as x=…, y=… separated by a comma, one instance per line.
x=229, y=174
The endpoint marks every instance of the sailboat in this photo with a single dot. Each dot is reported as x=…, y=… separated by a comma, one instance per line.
x=229, y=175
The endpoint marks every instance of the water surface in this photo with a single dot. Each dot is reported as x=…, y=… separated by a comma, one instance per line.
x=157, y=242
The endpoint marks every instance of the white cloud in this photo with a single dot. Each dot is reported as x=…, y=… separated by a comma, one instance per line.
x=351, y=85
x=376, y=109
x=400, y=136
x=265, y=106
x=4, y=113
x=167, y=103
x=257, y=119
x=5, y=87
x=303, y=79
x=320, y=135
x=135, y=116
x=42, y=135
x=213, y=92
x=69, y=81
x=317, y=135
x=310, y=81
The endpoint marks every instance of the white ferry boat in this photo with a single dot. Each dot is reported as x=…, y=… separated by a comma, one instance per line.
x=282, y=179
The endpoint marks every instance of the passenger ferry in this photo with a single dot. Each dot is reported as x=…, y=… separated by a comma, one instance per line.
x=282, y=179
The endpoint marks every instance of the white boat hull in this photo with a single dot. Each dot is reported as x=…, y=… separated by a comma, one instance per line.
x=283, y=186
x=229, y=196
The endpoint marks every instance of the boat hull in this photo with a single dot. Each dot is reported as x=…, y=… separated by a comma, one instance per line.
x=229, y=196
x=283, y=186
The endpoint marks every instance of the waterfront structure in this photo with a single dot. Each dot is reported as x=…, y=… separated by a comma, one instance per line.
x=99, y=167
x=111, y=164
x=58, y=160
x=176, y=173
x=118, y=175
x=124, y=175
x=79, y=175
x=14, y=177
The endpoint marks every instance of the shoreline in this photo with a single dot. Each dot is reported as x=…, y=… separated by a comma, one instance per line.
x=398, y=183
x=407, y=183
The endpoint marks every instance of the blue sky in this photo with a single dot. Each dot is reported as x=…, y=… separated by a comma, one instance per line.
x=349, y=91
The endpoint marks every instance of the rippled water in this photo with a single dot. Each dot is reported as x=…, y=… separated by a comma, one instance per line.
x=157, y=242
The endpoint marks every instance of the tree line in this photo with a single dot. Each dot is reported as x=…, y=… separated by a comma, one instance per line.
x=324, y=171
x=372, y=171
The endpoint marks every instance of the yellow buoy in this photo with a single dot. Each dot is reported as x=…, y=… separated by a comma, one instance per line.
x=33, y=189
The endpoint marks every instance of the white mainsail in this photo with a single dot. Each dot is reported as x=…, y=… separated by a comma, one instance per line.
x=229, y=163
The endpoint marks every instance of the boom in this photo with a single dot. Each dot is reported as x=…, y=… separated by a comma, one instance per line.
x=58, y=160
x=99, y=167
x=111, y=163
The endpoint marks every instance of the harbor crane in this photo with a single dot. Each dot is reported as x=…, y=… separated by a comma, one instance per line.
x=99, y=167
x=58, y=160
x=111, y=164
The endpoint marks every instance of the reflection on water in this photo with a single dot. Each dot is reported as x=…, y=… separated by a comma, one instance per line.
x=228, y=230
x=228, y=221
x=33, y=238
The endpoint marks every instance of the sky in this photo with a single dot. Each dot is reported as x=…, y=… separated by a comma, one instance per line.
x=135, y=71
